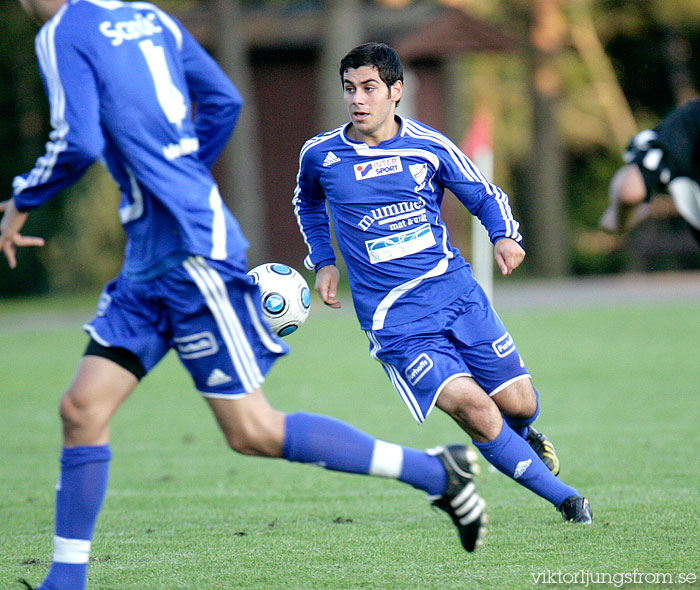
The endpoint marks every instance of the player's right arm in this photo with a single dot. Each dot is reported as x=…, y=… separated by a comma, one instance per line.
x=326, y=285
x=10, y=226
x=311, y=214
x=76, y=140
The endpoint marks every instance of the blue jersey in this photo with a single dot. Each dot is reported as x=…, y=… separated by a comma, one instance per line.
x=121, y=78
x=384, y=202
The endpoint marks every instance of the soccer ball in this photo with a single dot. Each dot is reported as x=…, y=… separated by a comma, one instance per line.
x=286, y=298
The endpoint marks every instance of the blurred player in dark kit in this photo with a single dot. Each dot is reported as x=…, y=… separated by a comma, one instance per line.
x=661, y=160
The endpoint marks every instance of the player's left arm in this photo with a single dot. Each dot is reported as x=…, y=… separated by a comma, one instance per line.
x=482, y=198
x=508, y=254
x=218, y=101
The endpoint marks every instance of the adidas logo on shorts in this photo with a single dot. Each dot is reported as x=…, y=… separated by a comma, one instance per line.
x=218, y=377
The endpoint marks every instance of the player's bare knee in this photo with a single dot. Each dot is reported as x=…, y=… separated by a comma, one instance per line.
x=517, y=400
x=472, y=410
x=80, y=408
x=255, y=445
x=74, y=413
x=256, y=439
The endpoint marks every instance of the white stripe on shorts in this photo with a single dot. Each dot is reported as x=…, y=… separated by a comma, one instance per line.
x=214, y=291
x=263, y=332
x=402, y=388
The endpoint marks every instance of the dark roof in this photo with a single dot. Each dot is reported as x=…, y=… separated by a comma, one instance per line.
x=420, y=31
x=453, y=33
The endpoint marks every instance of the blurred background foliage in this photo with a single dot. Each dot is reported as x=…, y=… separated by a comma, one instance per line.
x=610, y=68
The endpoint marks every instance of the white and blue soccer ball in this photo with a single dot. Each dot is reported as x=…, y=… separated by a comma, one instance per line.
x=286, y=298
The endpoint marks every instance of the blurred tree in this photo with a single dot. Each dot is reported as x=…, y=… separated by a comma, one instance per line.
x=243, y=153
x=621, y=66
x=549, y=233
x=342, y=30
x=23, y=126
x=566, y=98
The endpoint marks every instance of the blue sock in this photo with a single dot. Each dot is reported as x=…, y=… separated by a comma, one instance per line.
x=79, y=495
x=521, y=426
x=335, y=445
x=514, y=457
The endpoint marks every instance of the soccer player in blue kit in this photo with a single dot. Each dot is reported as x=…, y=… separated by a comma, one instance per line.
x=428, y=321
x=121, y=78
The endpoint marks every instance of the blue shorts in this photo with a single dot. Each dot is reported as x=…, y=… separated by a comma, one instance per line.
x=465, y=338
x=208, y=311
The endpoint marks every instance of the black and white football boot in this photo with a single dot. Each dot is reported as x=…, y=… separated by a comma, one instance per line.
x=460, y=499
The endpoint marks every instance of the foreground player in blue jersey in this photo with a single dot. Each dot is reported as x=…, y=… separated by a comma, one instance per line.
x=429, y=323
x=120, y=77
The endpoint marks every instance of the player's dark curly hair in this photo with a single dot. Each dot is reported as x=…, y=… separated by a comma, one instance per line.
x=379, y=55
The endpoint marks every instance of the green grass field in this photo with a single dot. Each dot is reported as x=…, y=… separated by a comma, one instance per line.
x=620, y=398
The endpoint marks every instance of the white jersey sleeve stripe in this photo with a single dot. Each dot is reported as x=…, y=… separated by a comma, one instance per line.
x=470, y=171
x=295, y=202
x=319, y=139
x=457, y=156
x=46, y=53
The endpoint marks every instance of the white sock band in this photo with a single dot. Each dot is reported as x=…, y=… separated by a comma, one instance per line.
x=387, y=460
x=75, y=551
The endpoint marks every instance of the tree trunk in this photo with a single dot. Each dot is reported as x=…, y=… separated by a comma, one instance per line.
x=342, y=31
x=548, y=236
x=239, y=165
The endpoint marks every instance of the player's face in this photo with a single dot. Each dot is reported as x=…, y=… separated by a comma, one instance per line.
x=371, y=104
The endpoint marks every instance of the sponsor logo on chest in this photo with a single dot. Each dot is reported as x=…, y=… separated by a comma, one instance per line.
x=376, y=168
x=401, y=244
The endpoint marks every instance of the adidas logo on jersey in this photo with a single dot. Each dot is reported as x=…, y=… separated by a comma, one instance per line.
x=217, y=377
x=331, y=159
